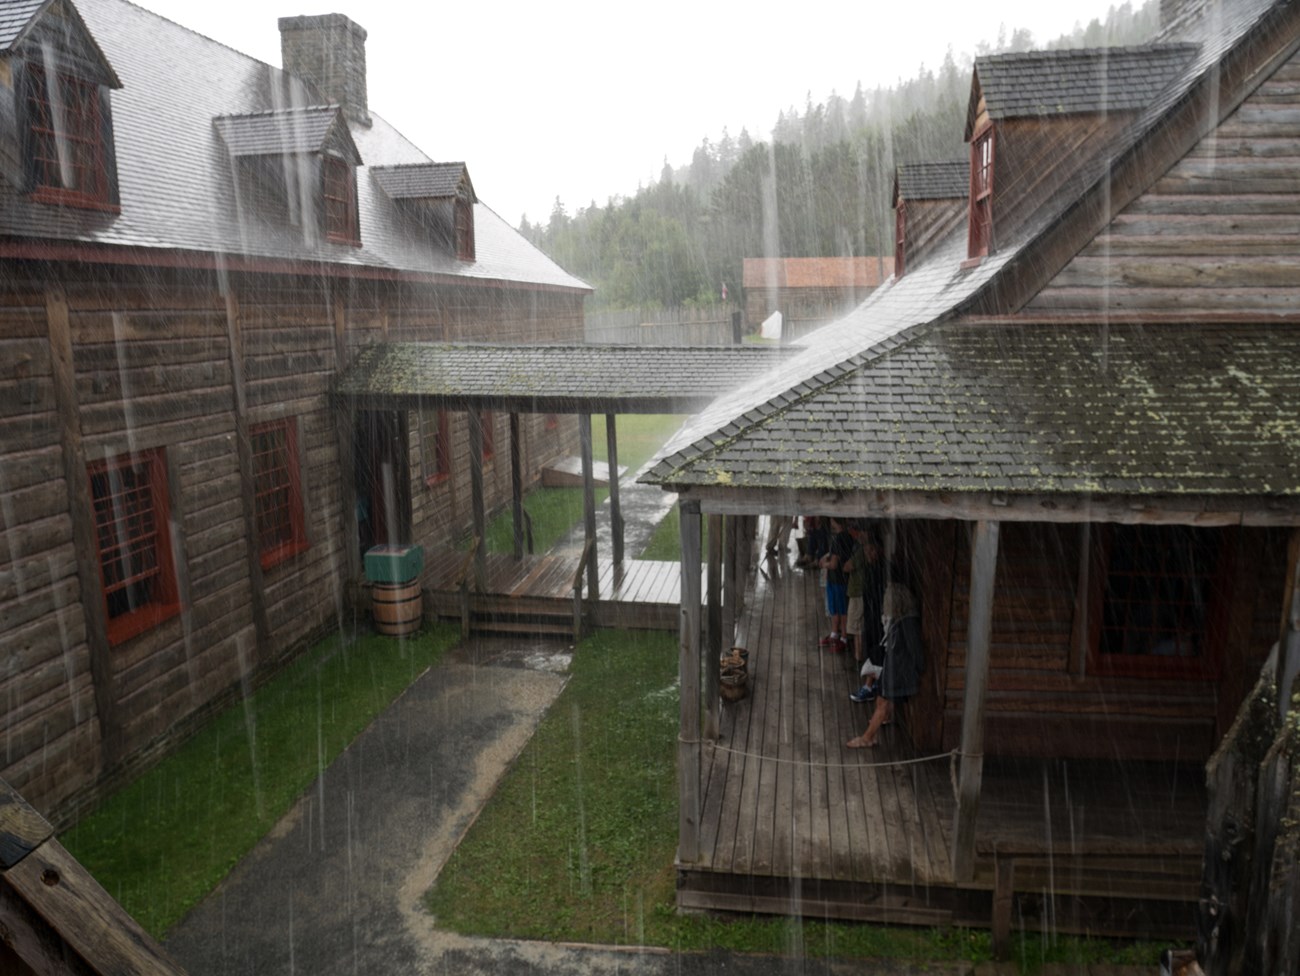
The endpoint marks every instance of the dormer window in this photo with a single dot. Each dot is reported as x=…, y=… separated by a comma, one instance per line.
x=339, y=191
x=61, y=124
x=67, y=132
x=439, y=198
x=981, y=194
x=464, y=230
x=900, y=238
x=297, y=167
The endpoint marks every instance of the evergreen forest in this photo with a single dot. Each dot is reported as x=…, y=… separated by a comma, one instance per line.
x=819, y=186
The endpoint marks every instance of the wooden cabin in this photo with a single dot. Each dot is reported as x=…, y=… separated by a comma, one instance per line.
x=808, y=292
x=193, y=246
x=1073, y=417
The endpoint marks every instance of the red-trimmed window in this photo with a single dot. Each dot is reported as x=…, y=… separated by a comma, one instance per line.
x=464, y=230
x=68, y=159
x=437, y=447
x=277, y=490
x=900, y=238
x=1160, y=608
x=128, y=497
x=981, y=194
x=339, y=188
x=487, y=421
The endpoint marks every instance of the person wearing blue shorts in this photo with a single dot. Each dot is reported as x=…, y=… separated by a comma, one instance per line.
x=837, y=594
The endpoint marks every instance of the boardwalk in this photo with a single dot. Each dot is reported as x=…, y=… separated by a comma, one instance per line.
x=794, y=822
x=639, y=593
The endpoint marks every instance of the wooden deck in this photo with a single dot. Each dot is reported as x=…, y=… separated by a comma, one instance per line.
x=794, y=822
x=642, y=594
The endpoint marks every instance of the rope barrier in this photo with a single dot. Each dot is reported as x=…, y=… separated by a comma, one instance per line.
x=952, y=756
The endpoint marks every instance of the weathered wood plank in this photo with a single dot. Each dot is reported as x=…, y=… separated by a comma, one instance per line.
x=688, y=750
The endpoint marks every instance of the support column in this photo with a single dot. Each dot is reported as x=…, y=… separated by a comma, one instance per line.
x=589, y=507
x=517, y=484
x=688, y=743
x=983, y=566
x=1288, y=657
x=345, y=420
x=247, y=481
x=615, y=512
x=712, y=693
x=476, y=497
x=86, y=548
x=730, y=584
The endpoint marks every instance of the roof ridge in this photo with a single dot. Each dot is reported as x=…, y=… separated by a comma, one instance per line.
x=292, y=109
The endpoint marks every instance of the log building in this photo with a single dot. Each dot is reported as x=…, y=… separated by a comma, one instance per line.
x=193, y=245
x=1072, y=410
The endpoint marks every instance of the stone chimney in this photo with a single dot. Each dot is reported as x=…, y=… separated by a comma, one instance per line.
x=329, y=52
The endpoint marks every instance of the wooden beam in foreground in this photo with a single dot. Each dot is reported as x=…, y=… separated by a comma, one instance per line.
x=476, y=498
x=517, y=485
x=984, y=564
x=615, y=511
x=589, y=507
x=688, y=744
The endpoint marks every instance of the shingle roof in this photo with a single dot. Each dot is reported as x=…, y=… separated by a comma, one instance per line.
x=865, y=272
x=555, y=378
x=947, y=180
x=279, y=131
x=1115, y=79
x=422, y=181
x=1037, y=408
x=14, y=16
x=174, y=168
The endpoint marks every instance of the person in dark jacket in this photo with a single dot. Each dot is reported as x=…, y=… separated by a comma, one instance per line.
x=904, y=661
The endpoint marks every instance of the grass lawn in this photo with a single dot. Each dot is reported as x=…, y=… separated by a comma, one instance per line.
x=578, y=842
x=666, y=541
x=555, y=511
x=164, y=841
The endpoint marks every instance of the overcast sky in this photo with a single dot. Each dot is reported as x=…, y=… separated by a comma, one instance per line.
x=585, y=99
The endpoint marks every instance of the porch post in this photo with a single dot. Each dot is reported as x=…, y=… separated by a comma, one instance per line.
x=983, y=565
x=615, y=512
x=712, y=693
x=476, y=496
x=688, y=665
x=1288, y=656
x=589, y=507
x=729, y=588
x=517, y=484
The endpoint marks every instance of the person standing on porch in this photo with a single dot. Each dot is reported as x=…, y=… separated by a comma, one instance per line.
x=866, y=591
x=837, y=598
x=904, y=662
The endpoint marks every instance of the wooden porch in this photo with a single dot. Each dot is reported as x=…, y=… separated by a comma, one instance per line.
x=792, y=822
x=535, y=593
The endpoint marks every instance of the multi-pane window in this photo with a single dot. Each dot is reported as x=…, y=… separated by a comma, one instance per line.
x=437, y=446
x=900, y=238
x=277, y=490
x=487, y=422
x=128, y=496
x=1162, y=590
x=339, y=188
x=68, y=161
x=981, y=194
x=464, y=230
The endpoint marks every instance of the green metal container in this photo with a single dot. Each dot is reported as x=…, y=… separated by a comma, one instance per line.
x=394, y=564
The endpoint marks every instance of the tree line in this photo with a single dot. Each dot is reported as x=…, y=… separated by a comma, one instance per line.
x=820, y=186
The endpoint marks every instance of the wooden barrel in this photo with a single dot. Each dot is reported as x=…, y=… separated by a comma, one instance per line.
x=397, y=608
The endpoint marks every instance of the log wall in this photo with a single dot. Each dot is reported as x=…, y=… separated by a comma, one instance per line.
x=1041, y=700
x=184, y=362
x=1217, y=233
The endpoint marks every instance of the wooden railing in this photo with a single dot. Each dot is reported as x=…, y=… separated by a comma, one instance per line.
x=461, y=583
x=587, y=551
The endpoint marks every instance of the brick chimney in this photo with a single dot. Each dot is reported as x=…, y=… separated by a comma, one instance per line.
x=329, y=52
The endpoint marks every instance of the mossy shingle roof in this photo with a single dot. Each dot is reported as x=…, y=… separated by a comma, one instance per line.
x=1040, y=408
x=945, y=180
x=555, y=378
